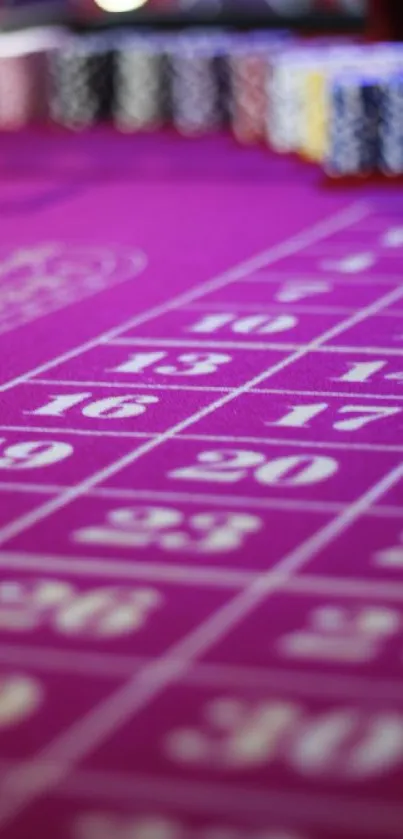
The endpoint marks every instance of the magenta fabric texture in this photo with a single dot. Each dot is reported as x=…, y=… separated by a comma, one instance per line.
x=201, y=546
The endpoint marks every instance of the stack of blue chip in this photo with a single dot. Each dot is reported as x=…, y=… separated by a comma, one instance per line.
x=354, y=127
x=391, y=126
x=365, y=131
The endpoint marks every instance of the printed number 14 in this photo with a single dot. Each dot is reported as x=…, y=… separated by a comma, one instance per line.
x=361, y=372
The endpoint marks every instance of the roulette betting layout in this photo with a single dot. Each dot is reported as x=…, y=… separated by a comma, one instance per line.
x=201, y=486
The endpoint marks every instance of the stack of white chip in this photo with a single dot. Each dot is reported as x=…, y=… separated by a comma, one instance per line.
x=137, y=103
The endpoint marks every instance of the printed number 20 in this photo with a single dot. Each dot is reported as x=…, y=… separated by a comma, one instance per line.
x=230, y=466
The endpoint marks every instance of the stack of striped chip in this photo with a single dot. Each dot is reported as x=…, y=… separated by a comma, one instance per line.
x=251, y=60
x=23, y=77
x=199, y=93
x=82, y=81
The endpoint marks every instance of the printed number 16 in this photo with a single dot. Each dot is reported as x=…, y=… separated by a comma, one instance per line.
x=112, y=407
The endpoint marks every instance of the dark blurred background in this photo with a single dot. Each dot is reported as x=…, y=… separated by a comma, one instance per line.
x=341, y=15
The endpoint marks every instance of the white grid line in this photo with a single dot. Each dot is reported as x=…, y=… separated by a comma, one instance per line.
x=285, y=441
x=74, y=743
x=130, y=385
x=271, y=307
x=274, y=307
x=95, y=566
x=26, y=521
x=57, y=759
x=140, y=790
x=354, y=395
x=121, y=494
x=56, y=430
x=335, y=812
x=156, y=437
x=378, y=251
x=295, y=244
x=25, y=487
x=279, y=347
x=344, y=815
x=272, y=276
x=209, y=576
x=121, y=385
x=230, y=501
x=350, y=587
x=199, y=343
x=110, y=666
x=339, y=684
x=56, y=660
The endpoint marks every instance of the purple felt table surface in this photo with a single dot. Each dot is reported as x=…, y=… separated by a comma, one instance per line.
x=201, y=494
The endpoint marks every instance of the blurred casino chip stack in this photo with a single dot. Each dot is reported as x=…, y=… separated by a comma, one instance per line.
x=196, y=86
x=140, y=100
x=250, y=63
x=23, y=76
x=82, y=74
x=391, y=127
